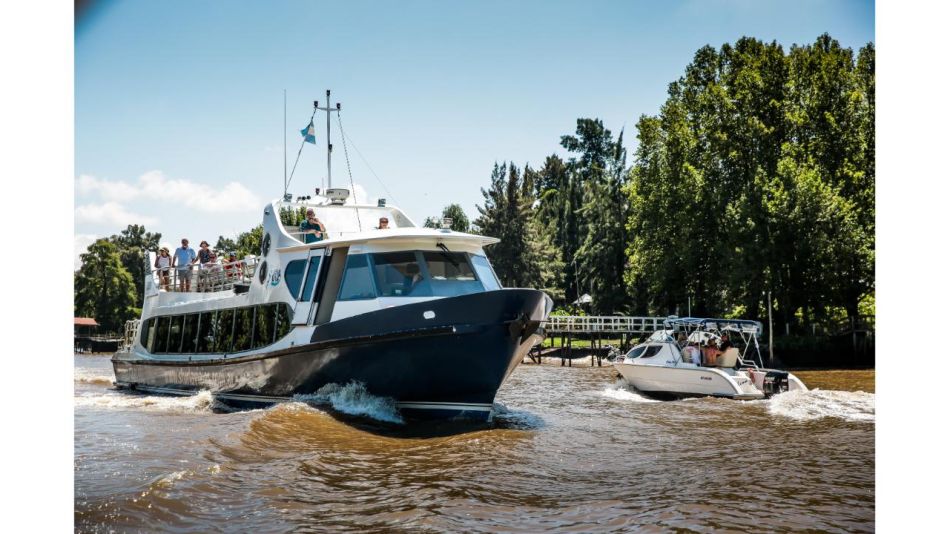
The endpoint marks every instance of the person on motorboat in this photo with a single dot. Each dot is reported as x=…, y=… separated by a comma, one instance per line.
x=693, y=353
x=312, y=228
x=724, y=343
x=681, y=340
x=710, y=353
x=383, y=224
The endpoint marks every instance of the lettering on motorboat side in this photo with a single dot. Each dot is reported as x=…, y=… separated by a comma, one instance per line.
x=705, y=378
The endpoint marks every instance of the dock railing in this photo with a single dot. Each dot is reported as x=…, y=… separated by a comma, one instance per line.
x=577, y=324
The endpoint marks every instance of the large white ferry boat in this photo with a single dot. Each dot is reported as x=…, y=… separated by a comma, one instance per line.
x=414, y=314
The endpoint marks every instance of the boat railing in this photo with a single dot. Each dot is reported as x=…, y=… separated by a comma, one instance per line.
x=130, y=333
x=206, y=278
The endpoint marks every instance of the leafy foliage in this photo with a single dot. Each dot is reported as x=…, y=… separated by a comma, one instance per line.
x=103, y=287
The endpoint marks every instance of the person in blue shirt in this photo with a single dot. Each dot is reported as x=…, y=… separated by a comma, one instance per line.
x=312, y=229
x=181, y=262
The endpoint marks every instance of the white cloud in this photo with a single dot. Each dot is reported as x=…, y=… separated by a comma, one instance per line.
x=81, y=242
x=155, y=186
x=110, y=213
x=116, y=191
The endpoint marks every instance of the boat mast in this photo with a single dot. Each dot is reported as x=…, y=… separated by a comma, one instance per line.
x=328, y=110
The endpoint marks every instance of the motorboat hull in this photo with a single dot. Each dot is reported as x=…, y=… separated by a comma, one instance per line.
x=677, y=382
x=439, y=359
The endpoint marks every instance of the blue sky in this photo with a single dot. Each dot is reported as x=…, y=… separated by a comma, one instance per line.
x=179, y=121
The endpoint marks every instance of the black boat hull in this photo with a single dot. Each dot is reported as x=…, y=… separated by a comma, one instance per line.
x=442, y=359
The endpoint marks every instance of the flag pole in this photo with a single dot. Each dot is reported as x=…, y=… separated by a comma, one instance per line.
x=302, y=143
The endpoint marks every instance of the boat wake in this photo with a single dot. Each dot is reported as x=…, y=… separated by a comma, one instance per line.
x=818, y=404
x=112, y=400
x=622, y=392
x=354, y=399
x=92, y=376
x=515, y=419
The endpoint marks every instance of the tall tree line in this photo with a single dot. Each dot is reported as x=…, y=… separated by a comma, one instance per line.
x=755, y=177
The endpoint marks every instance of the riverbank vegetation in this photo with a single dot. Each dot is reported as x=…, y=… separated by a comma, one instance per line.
x=756, y=177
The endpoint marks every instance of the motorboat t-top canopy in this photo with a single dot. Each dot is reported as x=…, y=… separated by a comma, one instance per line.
x=744, y=326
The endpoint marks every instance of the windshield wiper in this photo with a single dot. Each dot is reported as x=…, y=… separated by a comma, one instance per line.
x=445, y=252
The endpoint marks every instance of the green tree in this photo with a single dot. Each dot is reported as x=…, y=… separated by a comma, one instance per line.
x=460, y=222
x=103, y=288
x=756, y=176
x=133, y=245
x=246, y=244
x=507, y=215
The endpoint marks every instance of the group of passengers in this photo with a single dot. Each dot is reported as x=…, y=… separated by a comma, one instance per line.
x=185, y=258
x=314, y=230
x=704, y=354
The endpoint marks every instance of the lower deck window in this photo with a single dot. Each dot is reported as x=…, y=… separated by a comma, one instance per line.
x=221, y=331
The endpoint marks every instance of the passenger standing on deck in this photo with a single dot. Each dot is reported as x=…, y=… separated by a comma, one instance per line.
x=184, y=257
x=233, y=268
x=312, y=228
x=206, y=261
x=162, y=264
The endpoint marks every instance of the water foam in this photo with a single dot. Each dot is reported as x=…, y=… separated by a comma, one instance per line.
x=622, y=392
x=92, y=376
x=199, y=402
x=817, y=404
x=354, y=399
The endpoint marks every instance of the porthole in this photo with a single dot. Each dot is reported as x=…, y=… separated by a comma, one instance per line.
x=265, y=247
x=262, y=272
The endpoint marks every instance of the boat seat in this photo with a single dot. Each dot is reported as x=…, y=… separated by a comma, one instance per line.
x=728, y=358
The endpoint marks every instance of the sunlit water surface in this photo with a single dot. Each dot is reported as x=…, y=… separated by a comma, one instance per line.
x=572, y=450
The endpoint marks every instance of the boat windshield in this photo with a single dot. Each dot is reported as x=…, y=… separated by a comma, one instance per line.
x=417, y=274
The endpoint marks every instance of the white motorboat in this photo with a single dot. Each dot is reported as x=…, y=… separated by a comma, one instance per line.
x=666, y=368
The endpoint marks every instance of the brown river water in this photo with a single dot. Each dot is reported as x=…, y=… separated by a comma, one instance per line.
x=572, y=450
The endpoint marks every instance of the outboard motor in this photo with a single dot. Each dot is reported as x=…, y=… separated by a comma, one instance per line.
x=775, y=382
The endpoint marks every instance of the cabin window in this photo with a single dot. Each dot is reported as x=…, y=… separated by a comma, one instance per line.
x=221, y=330
x=312, y=272
x=636, y=352
x=161, y=334
x=189, y=333
x=398, y=274
x=147, y=333
x=282, y=321
x=205, y=332
x=174, y=333
x=485, y=273
x=357, y=282
x=243, y=329
x=652, y=351
x=264, y=325
x=293, y=276
x=448, y=266
x=450, y=274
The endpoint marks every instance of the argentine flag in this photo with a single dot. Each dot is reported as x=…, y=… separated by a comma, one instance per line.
x=308, y=134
